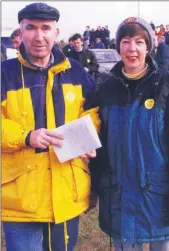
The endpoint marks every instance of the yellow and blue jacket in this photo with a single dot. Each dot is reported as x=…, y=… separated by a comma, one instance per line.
x=35, y=186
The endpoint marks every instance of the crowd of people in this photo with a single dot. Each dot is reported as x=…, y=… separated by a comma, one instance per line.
x=44, y=88
x=100, y=39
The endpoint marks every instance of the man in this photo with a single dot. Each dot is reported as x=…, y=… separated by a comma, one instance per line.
x=98, y=32
x=41, y=90
x=132, y=167
x=106, y=36
x=84, y=56
x=113, y=44
x=16, y=41
x=99, y=44
x=162, y=53
x=92, y=38
x=67, y=48
x=86, y=34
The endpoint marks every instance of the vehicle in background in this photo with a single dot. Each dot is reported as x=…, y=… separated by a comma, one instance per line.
x=106, y=59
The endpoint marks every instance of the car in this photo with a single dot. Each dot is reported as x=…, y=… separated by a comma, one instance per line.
x=106, y=59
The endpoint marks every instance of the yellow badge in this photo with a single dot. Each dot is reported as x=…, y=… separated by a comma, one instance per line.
x=149, y=103
x=70, y=96
x=88, y=60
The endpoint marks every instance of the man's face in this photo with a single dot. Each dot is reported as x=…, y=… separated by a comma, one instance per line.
x=77, y=44
x=71, y=43
x=16, y=42
x=160, y=40
x=38, y=37
x=133, y=51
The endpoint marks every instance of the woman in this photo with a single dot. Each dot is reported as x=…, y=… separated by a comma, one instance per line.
x=132, y=167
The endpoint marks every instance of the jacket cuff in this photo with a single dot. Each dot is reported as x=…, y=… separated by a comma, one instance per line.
x=27, y=140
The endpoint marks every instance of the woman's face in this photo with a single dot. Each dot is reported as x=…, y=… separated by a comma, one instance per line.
x=133, y=51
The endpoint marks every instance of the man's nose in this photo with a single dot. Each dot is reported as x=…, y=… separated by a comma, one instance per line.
x=39, y=35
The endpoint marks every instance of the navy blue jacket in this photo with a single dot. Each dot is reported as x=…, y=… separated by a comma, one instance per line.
x=162, y=56
x=131, y=170
x=99, y=45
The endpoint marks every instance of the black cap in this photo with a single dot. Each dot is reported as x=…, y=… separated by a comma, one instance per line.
x=38, y=11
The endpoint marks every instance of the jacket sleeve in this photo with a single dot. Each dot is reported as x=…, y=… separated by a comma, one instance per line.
x=13, y=135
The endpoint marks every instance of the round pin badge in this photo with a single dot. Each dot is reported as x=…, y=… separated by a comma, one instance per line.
x=70, y=96
x=149, y=103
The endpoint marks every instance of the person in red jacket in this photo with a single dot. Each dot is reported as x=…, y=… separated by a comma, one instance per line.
x=161, y=32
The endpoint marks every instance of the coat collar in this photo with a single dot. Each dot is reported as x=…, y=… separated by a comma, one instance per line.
x=117, y=69
x=60, y=62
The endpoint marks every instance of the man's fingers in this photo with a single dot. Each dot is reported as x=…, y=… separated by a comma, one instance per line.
x=44, y=143
x=52, y=141
x=88, y=155
x=42, y=138
x=41, y=146
x=91, y=154
x=54, y=134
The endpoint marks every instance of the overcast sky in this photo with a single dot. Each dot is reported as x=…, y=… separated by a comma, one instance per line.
x=76, y=15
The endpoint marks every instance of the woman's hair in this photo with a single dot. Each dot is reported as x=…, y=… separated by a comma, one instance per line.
x=131, y=30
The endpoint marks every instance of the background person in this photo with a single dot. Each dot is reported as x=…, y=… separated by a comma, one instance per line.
x=99, y=44
x=69, y=47
x=162, y=53
x=85, y=57
x=16, y=40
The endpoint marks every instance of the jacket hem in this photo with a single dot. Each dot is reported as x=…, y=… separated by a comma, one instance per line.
x=137, y=240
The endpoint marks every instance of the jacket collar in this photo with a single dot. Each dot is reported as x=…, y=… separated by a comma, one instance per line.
x=60, y=62
x=117, y=69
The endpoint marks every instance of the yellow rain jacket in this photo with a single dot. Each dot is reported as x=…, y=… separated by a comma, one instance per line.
x=35, y=186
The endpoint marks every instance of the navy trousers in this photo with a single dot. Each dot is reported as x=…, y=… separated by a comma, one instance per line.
x=41, y=236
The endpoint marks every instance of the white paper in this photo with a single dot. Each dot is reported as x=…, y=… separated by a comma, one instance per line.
x=80, y=137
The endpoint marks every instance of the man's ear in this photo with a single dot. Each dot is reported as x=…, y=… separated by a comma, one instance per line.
x=57, y=32
x=20, y=33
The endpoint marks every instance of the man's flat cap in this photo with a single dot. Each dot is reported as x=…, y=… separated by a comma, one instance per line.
x=38, y=11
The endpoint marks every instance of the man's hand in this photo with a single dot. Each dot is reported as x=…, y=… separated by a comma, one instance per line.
x=88, y=155
x=43, y=138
